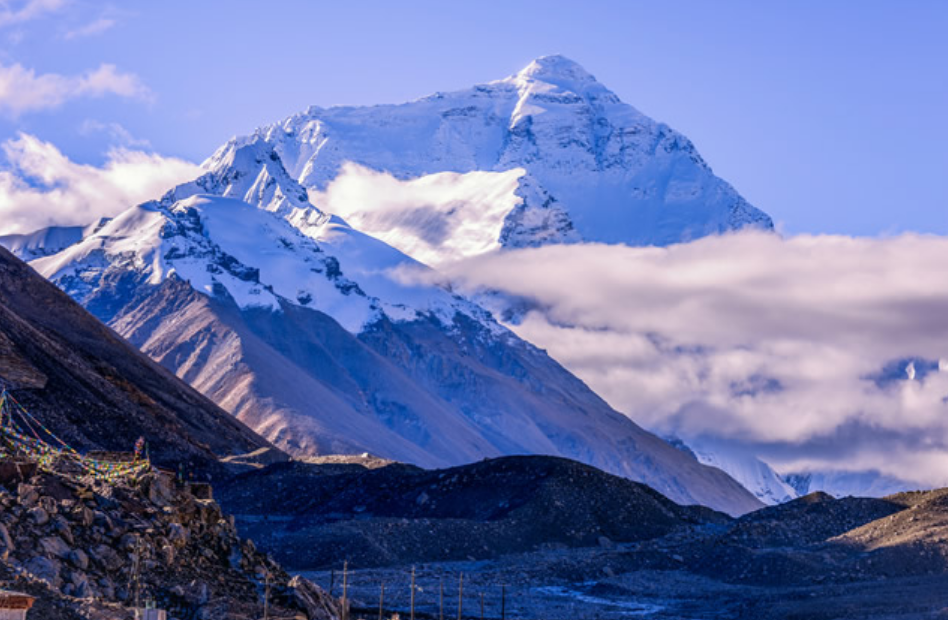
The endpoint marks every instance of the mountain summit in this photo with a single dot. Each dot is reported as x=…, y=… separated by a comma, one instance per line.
x=558, y=70
x=548, y=155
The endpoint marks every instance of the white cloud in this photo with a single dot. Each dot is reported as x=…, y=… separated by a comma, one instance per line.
x=23, y=90
x=91, y=29
x=44, y=187
x=13, y=12
x=776, y=344
x=434, y=218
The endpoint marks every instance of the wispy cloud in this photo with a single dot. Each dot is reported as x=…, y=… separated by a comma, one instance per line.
x=91, y=29
x=23, y=90
x=777, y=344
x=41, y=186
x=115, y=131
x=13, y=12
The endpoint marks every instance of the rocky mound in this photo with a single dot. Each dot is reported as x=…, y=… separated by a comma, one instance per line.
x=910, y=542
x=92, y=551
x=814, y=518
x=803, y=542
x=93, y=389
x=311, y=515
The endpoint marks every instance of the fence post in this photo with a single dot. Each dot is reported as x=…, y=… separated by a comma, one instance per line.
x=412, y=593
x=503, y=601
x=460, y=595
x=345, y=590
x=381, y=600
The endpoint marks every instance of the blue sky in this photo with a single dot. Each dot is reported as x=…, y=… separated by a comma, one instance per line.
x=830, y=116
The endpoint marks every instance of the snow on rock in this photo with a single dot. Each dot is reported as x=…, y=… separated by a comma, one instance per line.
x=613, y=174
x=224, y=246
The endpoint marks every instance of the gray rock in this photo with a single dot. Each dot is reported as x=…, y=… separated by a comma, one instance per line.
x=6, y=543
x=54, y=546
x=38, y=515
x=61, y=527
x=178, y=535
x=27, y=495
x=45, y=569
x=106, y=557
x=79, y=559
x=167, y=555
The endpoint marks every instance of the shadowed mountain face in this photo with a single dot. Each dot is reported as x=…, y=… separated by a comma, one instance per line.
x=93, y=389
x=406, y=391
x=324, y=514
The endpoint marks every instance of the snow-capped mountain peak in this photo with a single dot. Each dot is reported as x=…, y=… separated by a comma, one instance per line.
x=555, y=69
x=614, y=175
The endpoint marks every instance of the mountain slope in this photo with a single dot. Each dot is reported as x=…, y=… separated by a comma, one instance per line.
x=304, y=333
x=92, y=388
x=562, y=158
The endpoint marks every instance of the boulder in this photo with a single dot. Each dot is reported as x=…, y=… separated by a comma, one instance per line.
x=27, y=495
x=45, y=569
x=106, y=557
x=79, y=559
x=54, y=546
x=38, y=515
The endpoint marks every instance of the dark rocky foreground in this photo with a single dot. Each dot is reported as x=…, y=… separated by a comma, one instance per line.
x=572, y=542
x=319, y=515
x=93, y=551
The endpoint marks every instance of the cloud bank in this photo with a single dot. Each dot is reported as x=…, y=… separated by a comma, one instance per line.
x=41, y=186
x=23, y=90
x=800, y=350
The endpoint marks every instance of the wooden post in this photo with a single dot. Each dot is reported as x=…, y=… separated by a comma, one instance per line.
x=503, y=601
x=412, y=593
x=332, y=580
x=441, y=600
x=381, y=600
x=345, y=588
x=460, y=595
x=482, y=606
x=266, y=598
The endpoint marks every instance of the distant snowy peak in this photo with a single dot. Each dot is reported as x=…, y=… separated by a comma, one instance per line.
x=849, y=483
x=755, y=475
x=613, y=174
x=46, y=241
x=252, y=172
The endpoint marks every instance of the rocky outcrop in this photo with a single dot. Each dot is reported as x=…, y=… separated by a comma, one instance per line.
x=108, y=546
